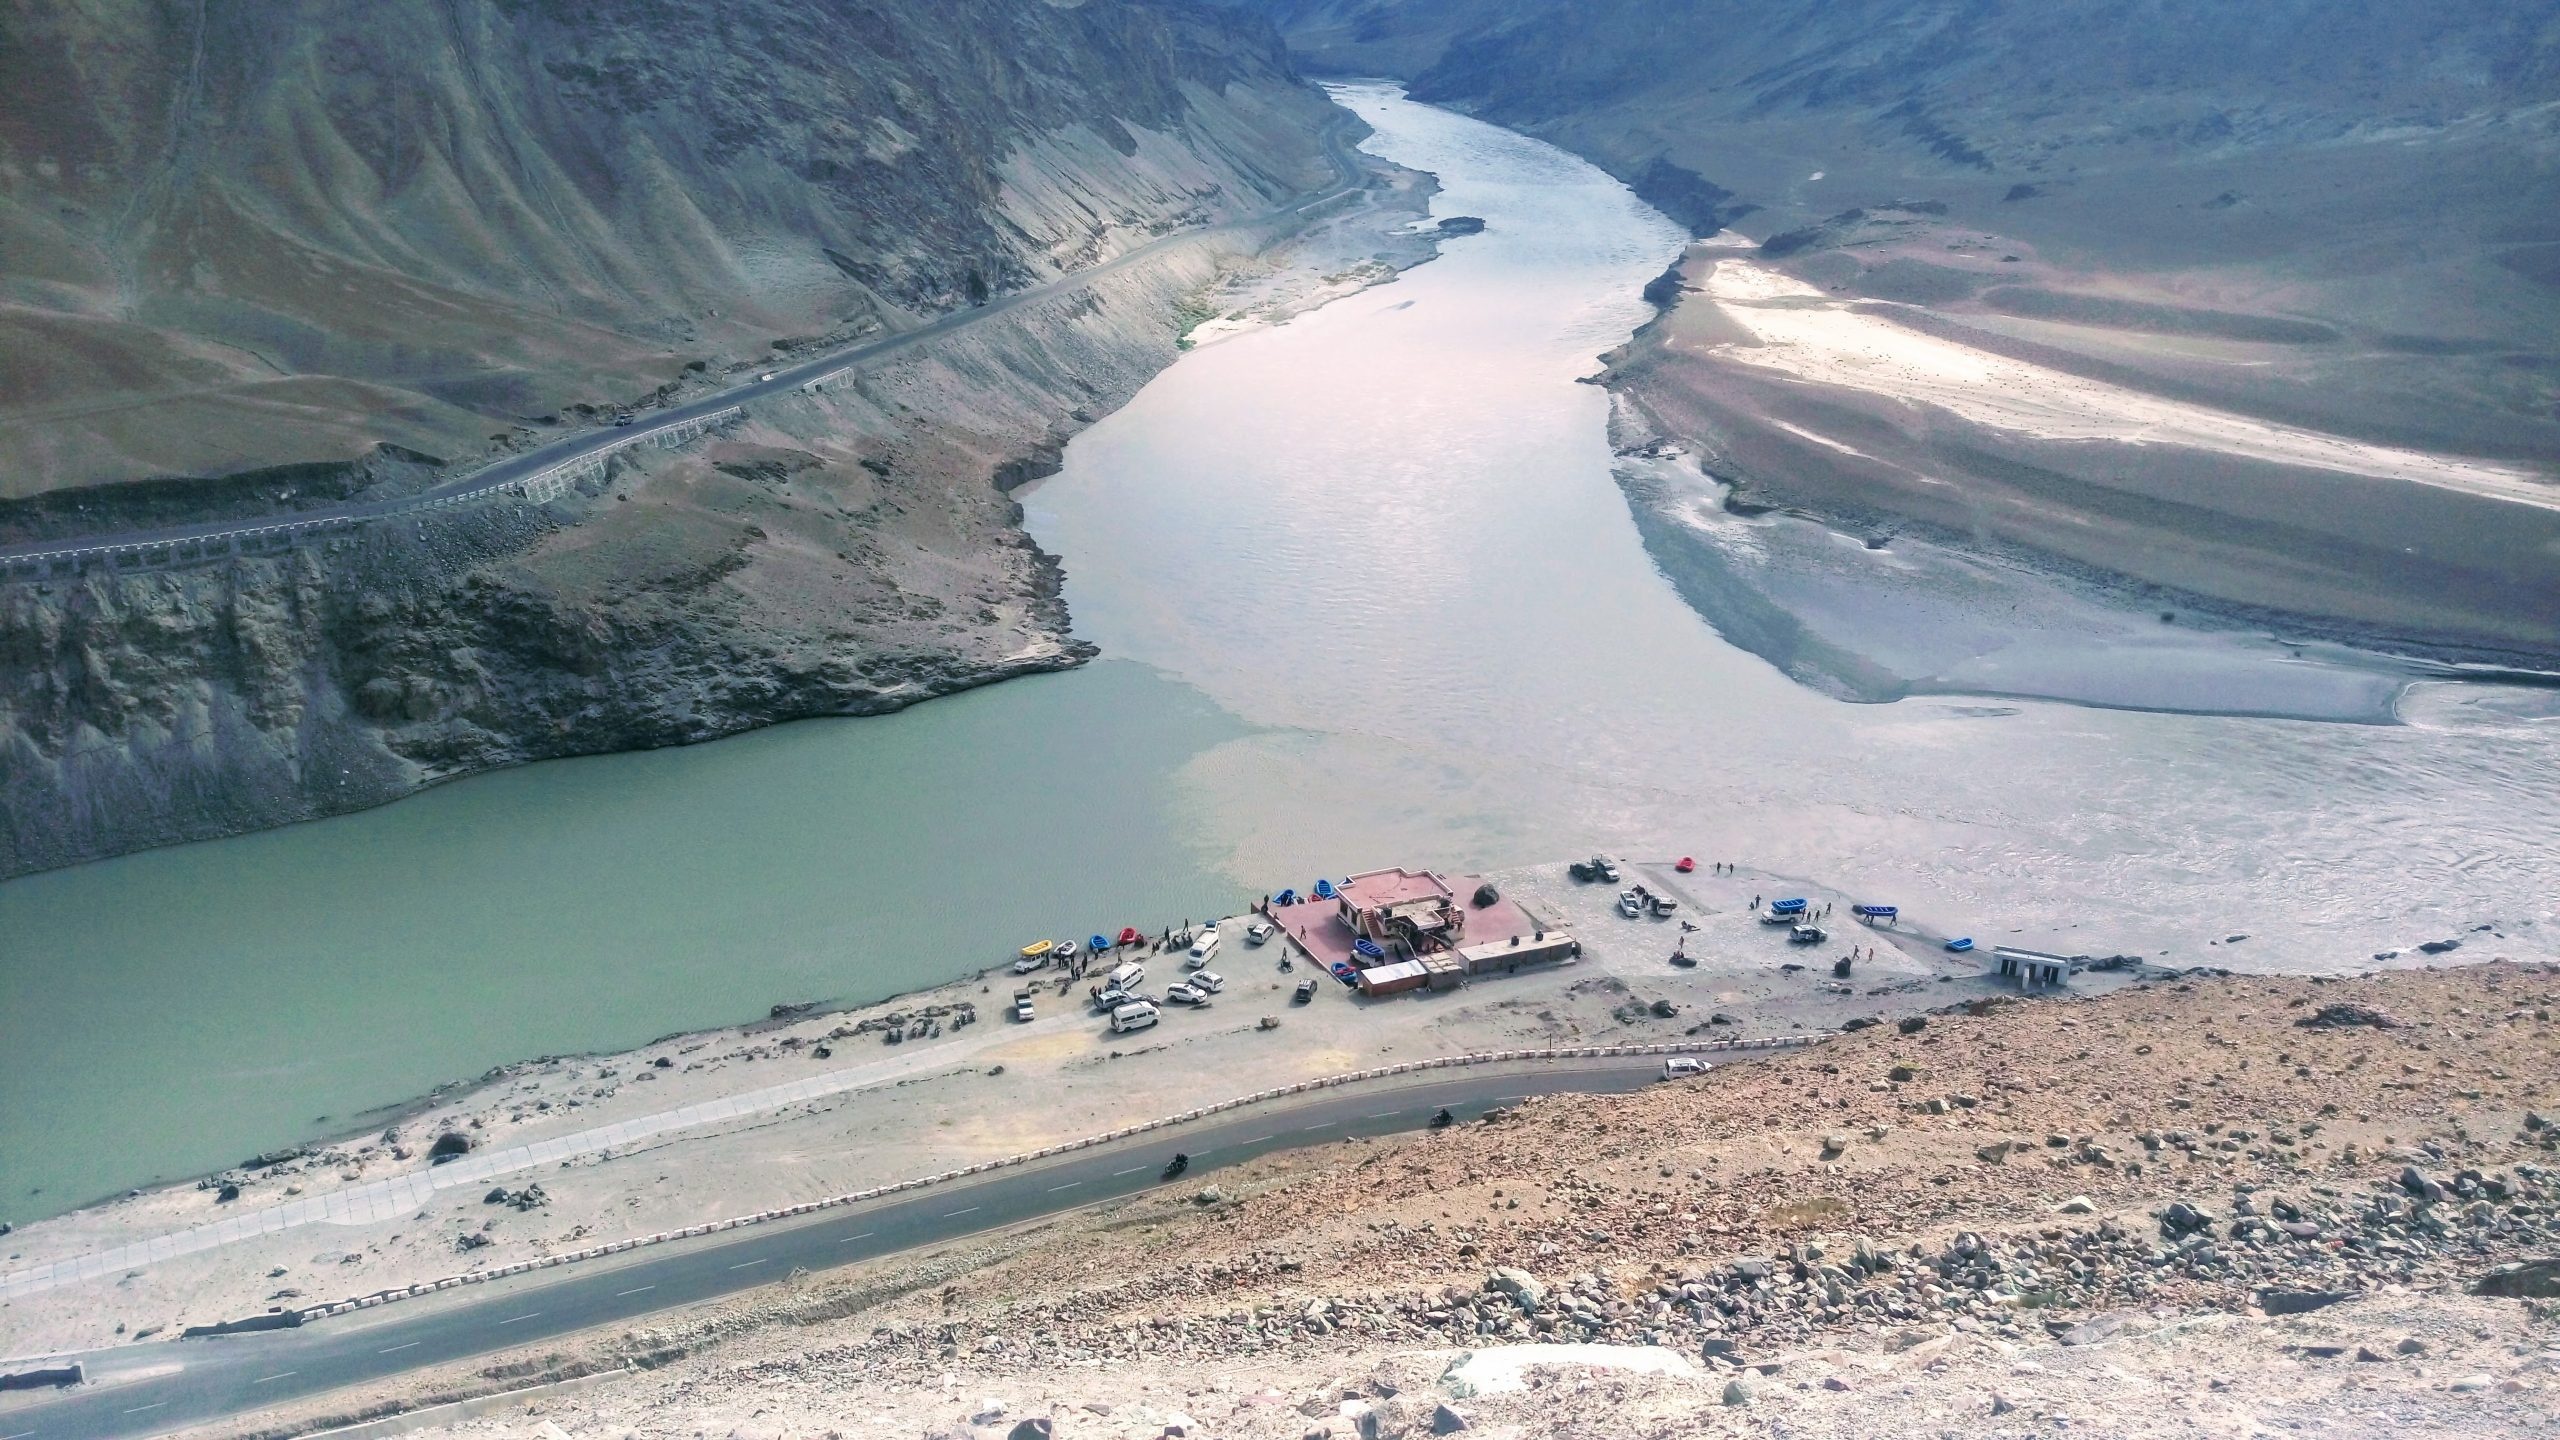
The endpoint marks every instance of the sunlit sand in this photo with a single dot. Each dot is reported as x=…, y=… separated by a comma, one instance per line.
x=1805, y=333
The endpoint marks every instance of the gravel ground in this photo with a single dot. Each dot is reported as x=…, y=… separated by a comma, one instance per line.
x=2230, y=1207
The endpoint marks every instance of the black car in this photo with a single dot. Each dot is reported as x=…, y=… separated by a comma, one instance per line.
x=1306, y=992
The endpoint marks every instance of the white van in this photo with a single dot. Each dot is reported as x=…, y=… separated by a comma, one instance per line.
x=1203, y=948
x=1126, y=977
x=1137, y=1015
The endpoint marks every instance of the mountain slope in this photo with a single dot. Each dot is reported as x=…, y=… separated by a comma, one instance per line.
x=240, y=235
x=260, y=257
x=2340, y=219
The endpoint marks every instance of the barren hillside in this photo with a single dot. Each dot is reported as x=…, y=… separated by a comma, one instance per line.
x=2191, y=1208
x=260, y=258
x=242, y=236
x=2337, y=219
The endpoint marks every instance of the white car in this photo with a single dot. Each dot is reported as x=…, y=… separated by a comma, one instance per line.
x=1022, y=1008
x=765, y=376
x=1202, y=948
x=1185, y=995
x=1257, y=932
x=1207, y=982
x=1112, y=997
x=1679, y=1065
x=1629, y=905
x=1029, y=963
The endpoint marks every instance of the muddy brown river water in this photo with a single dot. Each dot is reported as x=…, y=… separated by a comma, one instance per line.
x=1367, y=593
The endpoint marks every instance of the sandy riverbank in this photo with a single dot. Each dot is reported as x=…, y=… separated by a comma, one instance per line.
x=1888, y=497
x=970, y=1093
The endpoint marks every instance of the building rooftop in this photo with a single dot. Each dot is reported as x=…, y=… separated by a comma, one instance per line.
x=1379, y=889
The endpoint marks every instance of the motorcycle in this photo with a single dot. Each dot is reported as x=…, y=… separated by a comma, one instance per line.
x=1444, y=1119
x=1181, y=1162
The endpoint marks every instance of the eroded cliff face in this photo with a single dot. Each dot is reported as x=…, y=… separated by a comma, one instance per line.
x=262, y=256
x=843, y=553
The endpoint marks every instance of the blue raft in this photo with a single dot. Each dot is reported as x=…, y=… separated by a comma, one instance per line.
x=1961, y=944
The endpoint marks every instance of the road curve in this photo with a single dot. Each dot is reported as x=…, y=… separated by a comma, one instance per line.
x=517, y=469
x=134, y=1392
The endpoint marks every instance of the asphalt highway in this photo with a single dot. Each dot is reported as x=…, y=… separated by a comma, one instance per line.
x=143, y=1390
x=786, y=378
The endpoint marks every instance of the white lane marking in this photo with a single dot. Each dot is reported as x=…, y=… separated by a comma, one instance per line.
x=1327, y=1125
x=865, y=1235
x=286, y=1375
x=525, y=1316
x=154, y=1405
x=618, y=1294
x=1385, y=1115
x=21, y=1435
x=1258, y=1139
x=1132, y=1170
x=743, y=1264
x=1070, y=1185
x=965, y=1210
x=412, y=1345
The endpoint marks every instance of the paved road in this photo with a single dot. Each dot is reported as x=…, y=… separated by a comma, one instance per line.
x=134, y=1392
x=517, y=469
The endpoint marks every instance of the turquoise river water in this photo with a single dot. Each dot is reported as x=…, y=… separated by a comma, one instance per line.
x=1367, y=593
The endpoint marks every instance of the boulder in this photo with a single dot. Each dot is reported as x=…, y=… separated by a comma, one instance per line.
x=1912, y=1024
x=451, y=1145
x=1447, y=1420
x=1035, y=1428
x=2421, y=1185
x=1737, y=1392
x=2521, y=1280
x=2300, y=1302
x=2093, y=1331
x=1520, y=1285
x=2345, y=1017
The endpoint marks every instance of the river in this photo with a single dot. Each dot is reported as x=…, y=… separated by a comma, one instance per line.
x=1367, y=593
